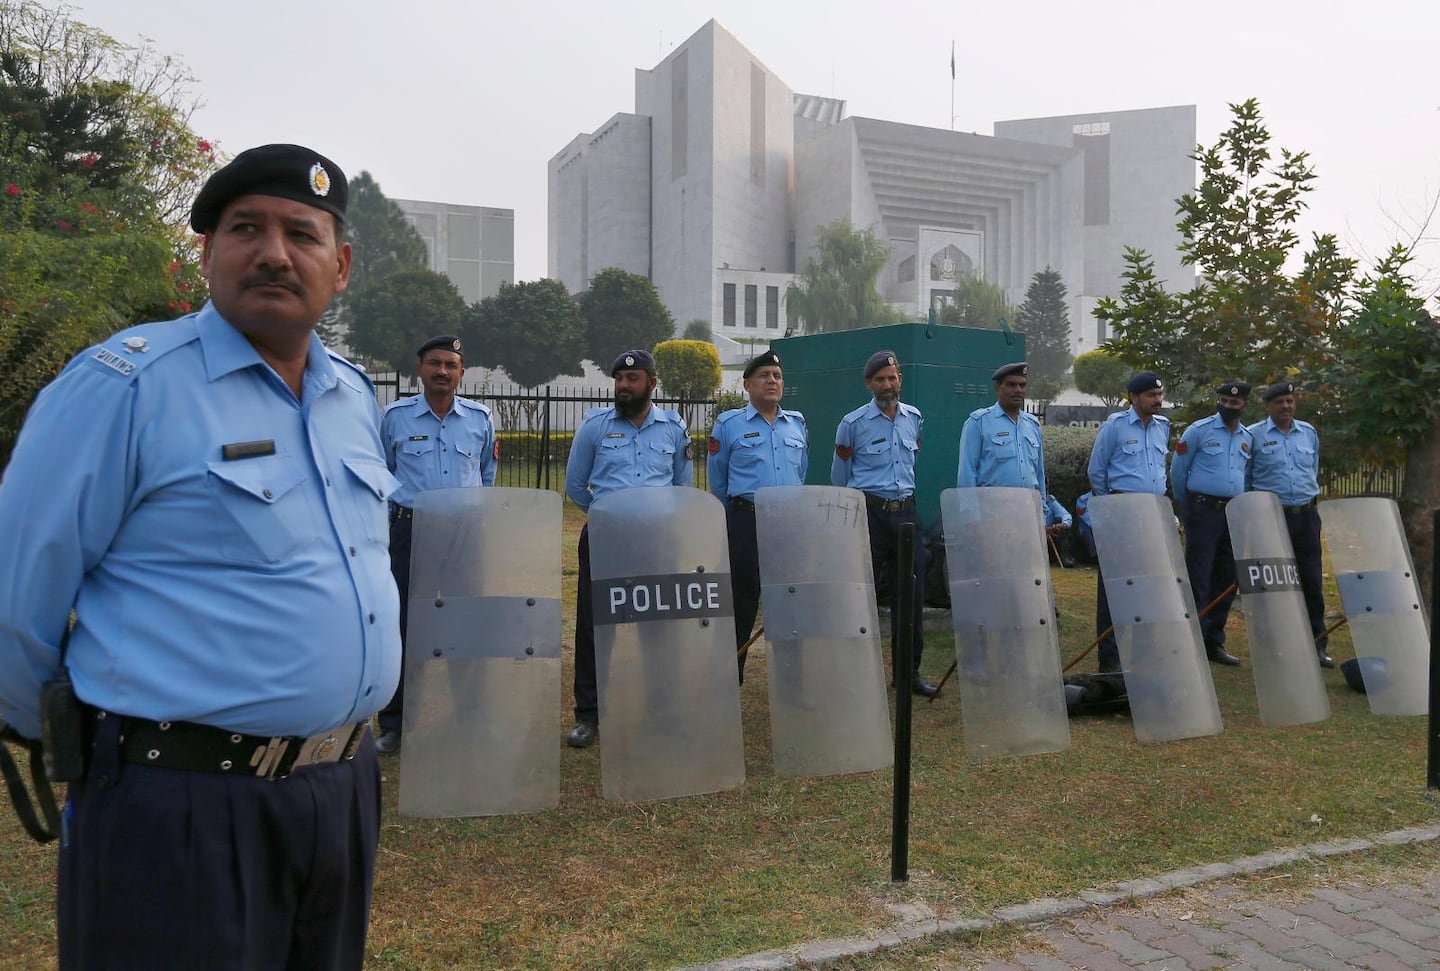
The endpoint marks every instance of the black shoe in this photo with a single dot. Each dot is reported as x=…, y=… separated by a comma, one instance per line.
x=920, y=686
x=388, y=743
x=583, y=735
x=1218, y=655
x=1326, y=661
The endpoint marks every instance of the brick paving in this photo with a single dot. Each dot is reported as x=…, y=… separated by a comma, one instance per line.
x=1206, y=917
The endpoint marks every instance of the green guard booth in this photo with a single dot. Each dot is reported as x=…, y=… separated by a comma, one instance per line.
x=945, y=372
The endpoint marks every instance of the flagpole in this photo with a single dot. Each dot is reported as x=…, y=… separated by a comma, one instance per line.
x=952, y=85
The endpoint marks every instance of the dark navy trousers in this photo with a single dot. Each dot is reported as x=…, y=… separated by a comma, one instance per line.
x=393, y=714
x=1210, y=562
x=885, y=561
x=164, y=868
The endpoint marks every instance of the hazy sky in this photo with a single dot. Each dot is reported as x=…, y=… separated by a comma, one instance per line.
x=466, y=102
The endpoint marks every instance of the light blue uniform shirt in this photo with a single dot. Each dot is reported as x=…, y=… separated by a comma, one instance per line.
x=1211, y=459
x=251, y=591
x=1286, y=464
x=875, y=454
x=748, y=453
x=996, y=450
x=426, y=452
x=609, y=453
x=1055, y=513
x=1129, y=455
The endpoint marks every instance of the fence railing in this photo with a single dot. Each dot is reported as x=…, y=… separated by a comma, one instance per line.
x=536, y=425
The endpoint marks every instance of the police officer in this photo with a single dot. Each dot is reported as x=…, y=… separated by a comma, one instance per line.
x=875, y=450
x=1129, y=456
x=1211, y=461
x=1287, y=462
x=759, y=445
x=631, y=443
x=1057, y=526
x=217, y=522
x=1001, y=445
x=433, y=440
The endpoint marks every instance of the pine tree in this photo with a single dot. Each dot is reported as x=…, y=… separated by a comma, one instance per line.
x=1045, y=322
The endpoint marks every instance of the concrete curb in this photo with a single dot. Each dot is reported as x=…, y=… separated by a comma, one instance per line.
x=917, y=922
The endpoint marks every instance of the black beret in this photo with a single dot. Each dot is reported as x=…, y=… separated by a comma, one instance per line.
x=1001, y=373
x=633, y=360
x=1233, y=389
x=1277, y=389
x=287, y=171
x=446, y=342
x=1143, y=381
x=768, y=359
x=878, y=360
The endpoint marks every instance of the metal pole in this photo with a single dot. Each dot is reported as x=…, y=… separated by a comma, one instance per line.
x=903, y=635
x=1433, y=766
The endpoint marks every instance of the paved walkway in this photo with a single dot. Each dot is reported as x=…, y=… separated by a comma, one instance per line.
x=1216, y=921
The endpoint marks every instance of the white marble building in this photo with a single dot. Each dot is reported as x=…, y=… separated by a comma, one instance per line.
x=716, y=185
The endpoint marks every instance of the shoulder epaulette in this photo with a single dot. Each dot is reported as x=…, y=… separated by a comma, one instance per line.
x=727, y=415
x=597, y=412
x=127, y=353
x=351, y=373
x=477, y=405
x=855, y=415
x=793, y=414
x=400, y=403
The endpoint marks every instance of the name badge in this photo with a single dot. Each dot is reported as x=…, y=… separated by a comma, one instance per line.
x=419, y=438
x=247, y=450
x=752, y=435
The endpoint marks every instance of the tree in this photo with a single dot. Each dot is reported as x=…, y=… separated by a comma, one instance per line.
x=977, y=303
x=395, y=314
x=836, y=290
x=1245, y=315
x=383, y=242
x=621, y=311
x=1380, y=393
x=531, y=329
x=698, y=330
x=1045, y=321
x=688, y=369
x=1103, y=374
x=96, y=153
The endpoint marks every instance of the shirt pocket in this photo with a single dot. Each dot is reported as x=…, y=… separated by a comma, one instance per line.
x=375, y=486
x=748, y=453
x=1213, y=449
x=470, y=453
x=1305, y=456
x=661, y=456
x=795, y=452
x=1003, y=446
x=265, y=501
x=416, y=458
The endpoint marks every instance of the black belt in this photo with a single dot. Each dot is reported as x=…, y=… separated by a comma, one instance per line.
x=740, y=502
x=1208, y=500
x=398, y=512
x=889, y=505
x=204, y=748
x=1297, y=510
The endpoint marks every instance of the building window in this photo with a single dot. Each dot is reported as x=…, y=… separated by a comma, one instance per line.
x=905, y=272
x=772, y=308
x=1094, y=140
x=751, y=298
x=727, y=312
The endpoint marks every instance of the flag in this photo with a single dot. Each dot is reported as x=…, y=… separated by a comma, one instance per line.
x=952, y=60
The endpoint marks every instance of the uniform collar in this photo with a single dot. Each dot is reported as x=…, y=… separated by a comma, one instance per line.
x=751, y=411
x=421, y=404
x=226, y=349
x=873, y=409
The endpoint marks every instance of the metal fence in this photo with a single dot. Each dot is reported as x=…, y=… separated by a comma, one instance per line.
x=536, y=425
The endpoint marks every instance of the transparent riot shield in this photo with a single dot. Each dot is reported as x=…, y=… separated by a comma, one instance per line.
x=1282, y=649
x=1381, y=598
x=664, y=645
x=1007, y=652
x=1157, y=629
x=482, y=668
x=828, y=709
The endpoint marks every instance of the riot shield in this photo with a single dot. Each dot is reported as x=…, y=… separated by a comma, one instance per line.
x=1007, y=652
x=1282, y=649
x=1381, y=598
x=664, y=645
x=828, y=709
x=1156, y=628
x=482, y=668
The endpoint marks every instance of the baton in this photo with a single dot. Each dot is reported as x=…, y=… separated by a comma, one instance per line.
x=1060, y=560
x=1111, y=629
x=1332, y=628
x=753, y=638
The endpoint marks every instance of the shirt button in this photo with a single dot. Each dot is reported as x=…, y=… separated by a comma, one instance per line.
x=352, y=551
x=268, y=494
x=372, y=618
x=369, y=689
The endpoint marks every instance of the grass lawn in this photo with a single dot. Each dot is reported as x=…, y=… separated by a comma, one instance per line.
x=598, y=885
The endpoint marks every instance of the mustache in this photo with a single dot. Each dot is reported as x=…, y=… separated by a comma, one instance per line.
x=271, y=278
